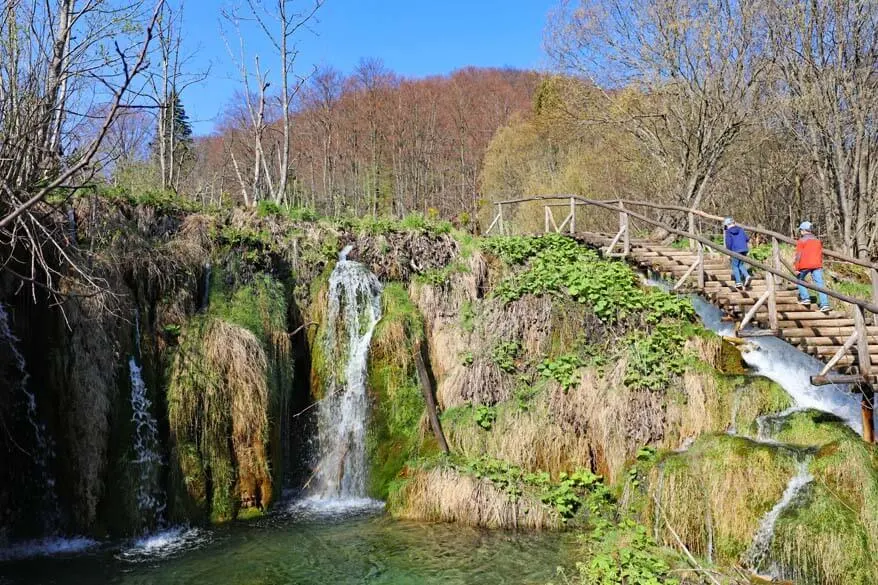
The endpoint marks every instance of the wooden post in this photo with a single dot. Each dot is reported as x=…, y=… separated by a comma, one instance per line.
x=701, y=275
x=623, y=224
x=692, y=243
x=500, y=217
x=771, y=283
x=427, y=390
x=572, y=216
x=775, y=254
x=874, y=272
x=865, y=365
x=546, y=213
x=772, y=301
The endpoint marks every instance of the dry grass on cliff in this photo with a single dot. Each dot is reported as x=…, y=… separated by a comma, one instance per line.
x=219, y=387
x=716, y=494
x=526, y=438
x=444, y=495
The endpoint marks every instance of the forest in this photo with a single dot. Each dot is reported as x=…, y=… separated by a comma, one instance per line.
x=291, y=349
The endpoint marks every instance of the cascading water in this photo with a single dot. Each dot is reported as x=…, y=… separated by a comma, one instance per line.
x=42, y=453
x=757, y=555
x=205, y=293
x=147, y=461
x=354, y=310
x=792, y=370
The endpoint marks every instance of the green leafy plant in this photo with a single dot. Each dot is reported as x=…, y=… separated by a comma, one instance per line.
x=505, y=354
x=563, y=369
x=485, y=416
x=655, y=359
x=624, y=555
x=556, y=264
x=466, y=358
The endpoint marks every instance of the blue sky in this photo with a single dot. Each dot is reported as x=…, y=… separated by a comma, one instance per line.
x=414, y=38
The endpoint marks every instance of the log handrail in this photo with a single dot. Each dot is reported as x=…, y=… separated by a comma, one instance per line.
x=705, y=215
x=608, y=204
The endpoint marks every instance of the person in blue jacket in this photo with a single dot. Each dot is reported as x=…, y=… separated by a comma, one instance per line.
x=737, y=240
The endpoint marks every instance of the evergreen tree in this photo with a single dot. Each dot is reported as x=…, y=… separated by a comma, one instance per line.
x=174, y=143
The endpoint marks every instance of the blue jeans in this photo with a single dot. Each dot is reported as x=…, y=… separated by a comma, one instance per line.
x=817, y=278
x=739, y=270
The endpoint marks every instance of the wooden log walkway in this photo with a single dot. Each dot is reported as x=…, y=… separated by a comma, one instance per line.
x=819, y=334
x=845, y=338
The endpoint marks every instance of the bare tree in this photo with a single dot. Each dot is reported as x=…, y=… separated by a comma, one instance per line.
x=681, y=75
x=98, y=51
x=280, y=21
x=826, y=57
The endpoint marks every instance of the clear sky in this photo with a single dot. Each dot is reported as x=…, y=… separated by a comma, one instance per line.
x=414, y=38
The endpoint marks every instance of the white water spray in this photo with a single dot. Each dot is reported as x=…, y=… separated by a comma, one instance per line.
x=43, y=452
x=148, y=461
x=354, y=310
x=758, y=552
x=790, y=368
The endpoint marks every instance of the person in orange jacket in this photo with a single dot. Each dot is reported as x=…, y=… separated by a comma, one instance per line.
x=809, y=261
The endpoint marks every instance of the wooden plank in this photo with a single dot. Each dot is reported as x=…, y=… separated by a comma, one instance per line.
x=757, y=333
x=822, y=341
x=816, y=321
x=837, y=379
x=752, y=312
x=824, y=350
x=824, y=331
x=793, y=315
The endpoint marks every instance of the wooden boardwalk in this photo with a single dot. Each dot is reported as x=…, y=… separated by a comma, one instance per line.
x=819, y=334
x=845, y=338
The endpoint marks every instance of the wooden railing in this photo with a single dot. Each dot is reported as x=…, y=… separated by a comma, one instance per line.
x=777, y=269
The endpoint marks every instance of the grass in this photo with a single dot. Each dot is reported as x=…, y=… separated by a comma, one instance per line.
x=717, y=492
x=229, y=380
x=395, y=425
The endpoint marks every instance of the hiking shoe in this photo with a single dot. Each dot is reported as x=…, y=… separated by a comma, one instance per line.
x=739, y=286
x=805, y=303
x=747, y=282
x=825, y=309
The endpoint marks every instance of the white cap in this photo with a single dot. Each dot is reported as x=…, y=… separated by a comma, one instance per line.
x=805, y=226
x=728, y=221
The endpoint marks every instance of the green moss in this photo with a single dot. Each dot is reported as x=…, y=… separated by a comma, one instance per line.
x=717, y=492
x=755, y=396
x=813, y=428
x=260, y=306
x=397, y=401
x=200, y=408
x=822, y=540
x=224, y=503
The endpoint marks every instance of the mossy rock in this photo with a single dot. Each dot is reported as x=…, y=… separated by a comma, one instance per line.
x=812, y=428
x=757, y=396
x=822, y=541
x=230, y=382
x=715, y=494
x=397, y=403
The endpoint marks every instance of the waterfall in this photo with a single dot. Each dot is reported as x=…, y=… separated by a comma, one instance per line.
x=147, y=461
x=790, y=368
x=205, y=293
x=757, y=554
x=43, y=451
x=354, y=309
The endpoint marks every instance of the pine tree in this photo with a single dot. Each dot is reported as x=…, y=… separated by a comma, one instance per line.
x=173, y=146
